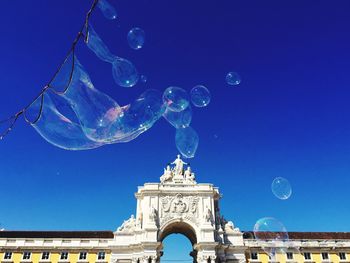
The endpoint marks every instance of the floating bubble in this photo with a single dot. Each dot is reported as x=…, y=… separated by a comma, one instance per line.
x=232, y=78
x=200, y=96
x=123, y=71
x=281, y=188
x=96, y=44
x=83, y=117
x=176, y=98
x=96, y=111
x=136, y=38
x=269, y=228
x=186, y=140
x=143, y=78
x=57, y=128
x=181, y=119
x=140, y=115
x=107, y=9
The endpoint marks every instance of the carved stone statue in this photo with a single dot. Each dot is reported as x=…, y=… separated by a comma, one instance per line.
x=128, y=226
x=229, y=227
x=189, y=176
x=208, y=215
x=167, y=175
x=179, y=165
x=154, y=215
x=139, y=220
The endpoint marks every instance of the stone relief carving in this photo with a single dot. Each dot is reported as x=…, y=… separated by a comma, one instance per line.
x=179, y=206
x=128, y=226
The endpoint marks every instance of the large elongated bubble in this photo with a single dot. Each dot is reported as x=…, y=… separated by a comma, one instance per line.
x=176, y=98
x=180, y=119
x=186, y=140
x=95, y=110
x=140, y=115
x=96, y=44
x=124, y=72
x=107, y=9
x=57, y=128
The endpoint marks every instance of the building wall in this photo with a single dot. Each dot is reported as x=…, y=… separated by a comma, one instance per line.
x=298, y=257
x=73, y=256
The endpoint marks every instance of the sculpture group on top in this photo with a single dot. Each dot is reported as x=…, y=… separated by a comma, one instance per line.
x=177, y=173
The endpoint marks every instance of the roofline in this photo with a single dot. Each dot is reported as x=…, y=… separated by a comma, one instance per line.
x=57, y=234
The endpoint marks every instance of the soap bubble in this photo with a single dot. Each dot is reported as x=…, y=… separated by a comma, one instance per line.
x=176, y=98
x=124, y=73
x=83, y=117
x=269, y=228
x=281, y=188
x=107, y=9
x=200, y=96
x=232, y=78
x=181, y=119
x=95, y=110
x=140, y=115
x=186, y=140
x=136, y=38
x=143, y=78
x=55, y=127
x=96, y=44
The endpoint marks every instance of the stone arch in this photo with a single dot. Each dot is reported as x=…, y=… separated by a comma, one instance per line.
x=178, y=226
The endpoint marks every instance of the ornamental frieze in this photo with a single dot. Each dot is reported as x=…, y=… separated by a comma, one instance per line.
x=178, y=206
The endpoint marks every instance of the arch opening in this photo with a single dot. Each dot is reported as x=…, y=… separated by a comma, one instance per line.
x=177, y=248
x=179, y=228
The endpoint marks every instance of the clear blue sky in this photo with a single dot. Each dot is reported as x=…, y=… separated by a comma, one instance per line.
x=289, y=117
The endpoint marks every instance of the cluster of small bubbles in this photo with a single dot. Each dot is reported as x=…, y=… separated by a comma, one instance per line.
x=232, y=78
x=175, y=98
x=269, y=228
x=107, y=9
x=136, y=38
x=143, y=78
x=281, y=188
x=200, y=96
x=186, y=140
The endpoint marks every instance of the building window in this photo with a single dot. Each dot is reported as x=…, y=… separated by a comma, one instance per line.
x=289, y=255
x=64, y=256
x=82, y=255
x=45, y=255
x=26, y=255
x=307, y=256
x=8, y=255
x=325, y=256
x=342, y=256
x=101, y=255
x=254, y=256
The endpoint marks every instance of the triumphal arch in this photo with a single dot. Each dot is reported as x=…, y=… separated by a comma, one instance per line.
x=178, y=204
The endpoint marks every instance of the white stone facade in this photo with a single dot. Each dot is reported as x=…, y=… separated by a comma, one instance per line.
x=178, y=204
